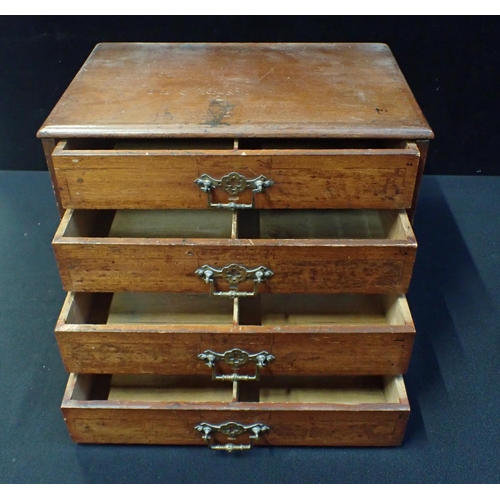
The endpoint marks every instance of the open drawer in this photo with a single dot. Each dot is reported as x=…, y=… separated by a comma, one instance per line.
x=182, y=334
x=304, y=411
x=236, y=253
x=191, y=173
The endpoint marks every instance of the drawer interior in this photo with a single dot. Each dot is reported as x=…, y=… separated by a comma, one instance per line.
x=335, y=390
x=270, y=143
x=269, y=390
x=273, y=310
x=351, y=224
x=147, y=309
x=160, y=388
x=171, y=224
x=269, y=310
x=321, y=224
x=228, y=143
x=169, y=308
x=252, y=224
x=148, y=224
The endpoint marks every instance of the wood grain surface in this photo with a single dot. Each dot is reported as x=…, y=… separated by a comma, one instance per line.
x=334, y=126
x=293, y=424
x=159, y=178
x=164, y=333
x=238, y=90
x=305, y=265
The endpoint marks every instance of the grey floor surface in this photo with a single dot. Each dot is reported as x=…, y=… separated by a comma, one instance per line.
x=453, y=381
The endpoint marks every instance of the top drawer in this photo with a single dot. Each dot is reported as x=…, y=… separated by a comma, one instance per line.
x=267, y=173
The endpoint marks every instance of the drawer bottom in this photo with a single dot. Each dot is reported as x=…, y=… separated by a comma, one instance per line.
x=275, y=411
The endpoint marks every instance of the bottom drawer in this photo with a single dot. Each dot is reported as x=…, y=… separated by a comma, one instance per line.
x=277, y=411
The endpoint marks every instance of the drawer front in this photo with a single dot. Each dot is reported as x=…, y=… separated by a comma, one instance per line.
x=356, y=412
x=159, y=179
x=377, y=259
x=178, y=334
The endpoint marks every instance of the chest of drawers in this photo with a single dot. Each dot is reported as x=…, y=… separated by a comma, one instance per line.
x=236, y=243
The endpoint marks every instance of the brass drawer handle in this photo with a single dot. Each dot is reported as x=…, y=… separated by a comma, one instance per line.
x=232, y=430
x=233, y=184
x=235, y=358
x=233, y=274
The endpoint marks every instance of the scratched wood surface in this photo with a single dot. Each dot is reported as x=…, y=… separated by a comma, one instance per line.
x=334, y=126
x=96, y=263
x=294, y=424
x=238, y=90
x=164, y=333
x=309, y=178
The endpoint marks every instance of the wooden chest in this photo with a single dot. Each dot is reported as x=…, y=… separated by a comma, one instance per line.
x=236, y=243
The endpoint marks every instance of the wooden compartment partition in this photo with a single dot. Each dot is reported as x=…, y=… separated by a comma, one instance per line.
x=165, y=333
x=313, y=251
x=309, y=411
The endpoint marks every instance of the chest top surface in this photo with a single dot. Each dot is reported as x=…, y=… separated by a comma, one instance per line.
x=337, y=90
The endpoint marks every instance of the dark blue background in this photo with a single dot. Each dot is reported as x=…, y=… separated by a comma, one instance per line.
x=451, y=64
x=453, y=434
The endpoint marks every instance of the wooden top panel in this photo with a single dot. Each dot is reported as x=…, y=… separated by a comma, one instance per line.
x=238, y=90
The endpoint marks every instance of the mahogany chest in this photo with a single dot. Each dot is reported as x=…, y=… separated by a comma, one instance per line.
x=236, y=243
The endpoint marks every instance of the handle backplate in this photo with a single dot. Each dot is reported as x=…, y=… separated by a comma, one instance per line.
x=235, y=358
x=232, y=430
x=233, y=184
x=233, y=274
